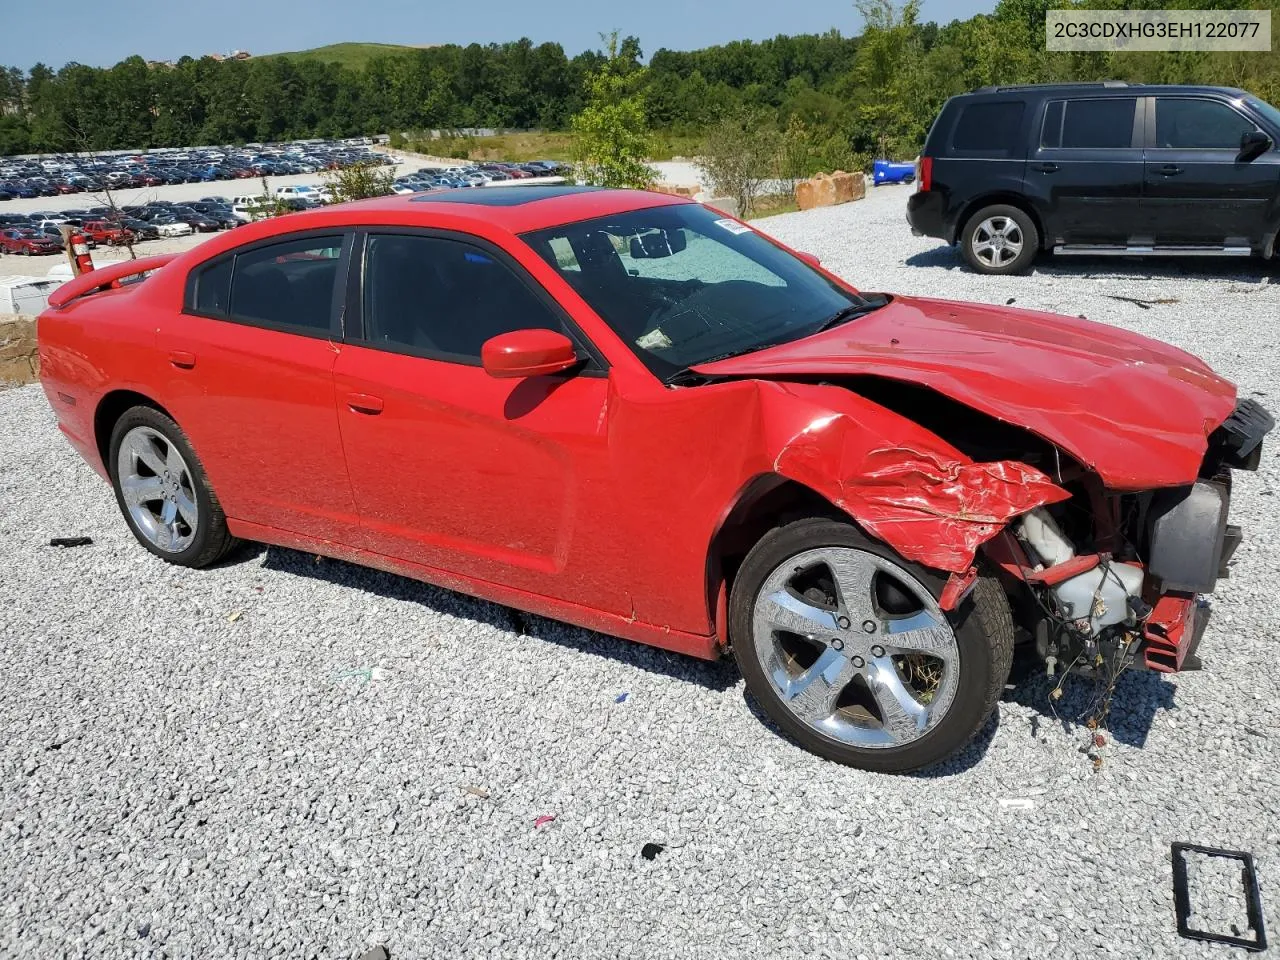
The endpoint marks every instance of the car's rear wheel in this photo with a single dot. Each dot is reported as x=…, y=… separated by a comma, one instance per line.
x=163, y=491
x=1000, y=239
x=843, y=644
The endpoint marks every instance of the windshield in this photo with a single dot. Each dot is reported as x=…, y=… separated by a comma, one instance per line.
x=683, y=285
x=1266, y=109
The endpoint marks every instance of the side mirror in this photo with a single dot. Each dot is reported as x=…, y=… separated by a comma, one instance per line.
x=527, y=353
x=1253, y=145
x=809, y=258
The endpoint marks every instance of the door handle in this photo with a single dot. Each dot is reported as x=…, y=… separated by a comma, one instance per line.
x=182, y=359
x=364, y=403
x=1170, y=170
x=1045, y=167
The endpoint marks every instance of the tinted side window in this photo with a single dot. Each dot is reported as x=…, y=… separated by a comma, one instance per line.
x=287, y=284
x=213, y=288
x=1089, y=124
x=1199, y=125
x=988, y=128
x=443, y=297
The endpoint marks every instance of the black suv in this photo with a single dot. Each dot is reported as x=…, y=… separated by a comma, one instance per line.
x=1101, y=168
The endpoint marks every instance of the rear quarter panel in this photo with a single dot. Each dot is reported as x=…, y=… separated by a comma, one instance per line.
x=88, y=348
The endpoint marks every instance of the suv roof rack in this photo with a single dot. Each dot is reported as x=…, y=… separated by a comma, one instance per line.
x=1056, y=86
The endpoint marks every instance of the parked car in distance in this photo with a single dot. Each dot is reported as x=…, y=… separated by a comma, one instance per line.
x=169, y=226
x=106, y=231
x=54, y=234
x=884, y=487
x=200, y=222
x=301, y=191
x=141, y=229
x=248, y=209
x=1101, y=168
x=27, y=242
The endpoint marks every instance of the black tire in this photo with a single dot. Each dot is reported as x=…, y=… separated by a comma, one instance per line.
x=1023, y=231
x=211, y=540
x=982, y=626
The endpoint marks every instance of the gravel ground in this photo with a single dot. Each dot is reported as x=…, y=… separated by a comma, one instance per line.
x=280, y=757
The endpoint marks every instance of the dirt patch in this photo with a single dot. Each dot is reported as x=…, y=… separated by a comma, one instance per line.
x=18, y=361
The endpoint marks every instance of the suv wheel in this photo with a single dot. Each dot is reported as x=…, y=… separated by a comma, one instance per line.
x=1000, y=239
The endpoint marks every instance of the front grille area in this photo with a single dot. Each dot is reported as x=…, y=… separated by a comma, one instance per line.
x=1238, y=442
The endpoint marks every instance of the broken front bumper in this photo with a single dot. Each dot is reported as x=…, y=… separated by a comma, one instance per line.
x=1172, y=633
x=1191, y=542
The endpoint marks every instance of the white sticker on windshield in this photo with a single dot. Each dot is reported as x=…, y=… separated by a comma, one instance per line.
x=733, y=226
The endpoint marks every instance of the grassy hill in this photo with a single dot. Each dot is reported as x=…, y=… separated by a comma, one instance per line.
x=354, y=55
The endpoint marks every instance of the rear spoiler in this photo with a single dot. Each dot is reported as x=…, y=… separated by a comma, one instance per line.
x=110, y=275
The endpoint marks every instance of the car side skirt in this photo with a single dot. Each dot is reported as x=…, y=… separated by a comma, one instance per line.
x=628, y=628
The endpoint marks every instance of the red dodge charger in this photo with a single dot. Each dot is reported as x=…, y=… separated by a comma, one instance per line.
x=630, y=412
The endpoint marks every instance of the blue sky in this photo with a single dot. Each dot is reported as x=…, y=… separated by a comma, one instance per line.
x=102, y=34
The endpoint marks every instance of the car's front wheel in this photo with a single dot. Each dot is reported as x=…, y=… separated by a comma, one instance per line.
x=163, y=491
x=1000, y=239
x=844, y=645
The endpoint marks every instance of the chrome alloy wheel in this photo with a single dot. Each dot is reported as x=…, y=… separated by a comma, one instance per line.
x=855, y=647
x=997, y=241
x=157, y=489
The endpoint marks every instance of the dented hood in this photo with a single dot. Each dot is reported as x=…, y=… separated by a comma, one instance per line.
x=1136, y=411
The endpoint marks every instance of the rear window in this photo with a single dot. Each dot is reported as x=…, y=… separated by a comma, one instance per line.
x=990, y=129
x=1089, y=124
x=287, y=284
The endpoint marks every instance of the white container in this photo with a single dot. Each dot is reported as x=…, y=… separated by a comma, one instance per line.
x=1100, y=595
x=61, y=272
x=26, y=295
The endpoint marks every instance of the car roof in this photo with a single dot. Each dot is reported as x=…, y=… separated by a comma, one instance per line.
x=513, y=208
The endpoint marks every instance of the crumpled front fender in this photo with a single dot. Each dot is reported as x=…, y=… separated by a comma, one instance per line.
x=903, y=484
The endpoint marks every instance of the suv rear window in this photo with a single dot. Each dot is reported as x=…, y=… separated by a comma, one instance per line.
x=990, y=129
x=1089, y=124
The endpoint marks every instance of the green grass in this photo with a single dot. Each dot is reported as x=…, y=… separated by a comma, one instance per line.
x=772, y=205
x=353, y=55
x=667, y=144
x=516, y=147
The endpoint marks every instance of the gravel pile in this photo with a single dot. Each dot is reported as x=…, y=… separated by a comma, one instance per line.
x=289, y=758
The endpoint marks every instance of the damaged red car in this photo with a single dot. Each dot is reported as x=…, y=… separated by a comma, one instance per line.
x=630, y=412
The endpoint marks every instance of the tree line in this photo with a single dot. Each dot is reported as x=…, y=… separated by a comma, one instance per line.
x=838, y=100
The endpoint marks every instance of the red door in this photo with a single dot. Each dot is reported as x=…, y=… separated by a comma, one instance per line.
x=499, y=480
x=254, y=388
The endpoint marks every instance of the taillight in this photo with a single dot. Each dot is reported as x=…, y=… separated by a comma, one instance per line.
x=924, y=173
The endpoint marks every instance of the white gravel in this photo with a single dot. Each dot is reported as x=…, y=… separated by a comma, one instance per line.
x=280, y=757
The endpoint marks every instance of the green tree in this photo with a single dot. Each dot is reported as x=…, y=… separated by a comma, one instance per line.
x=612, y=130
x=740, y=153
x=359, y=182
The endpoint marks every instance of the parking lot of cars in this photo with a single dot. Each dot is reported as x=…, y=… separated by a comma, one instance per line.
x=169, y=194
x=475, y=175
x=63, y=175
x=119, y=199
